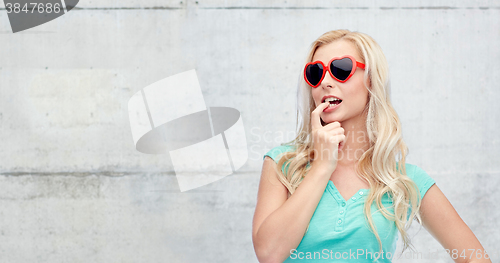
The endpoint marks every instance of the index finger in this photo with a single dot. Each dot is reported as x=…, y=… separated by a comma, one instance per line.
x=315, y=119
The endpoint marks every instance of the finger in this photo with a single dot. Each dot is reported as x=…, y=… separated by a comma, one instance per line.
x=333, y=125
x=341, y=141
x=337, y=138
x=341, y=145
x=336, y=131
x=315, y=115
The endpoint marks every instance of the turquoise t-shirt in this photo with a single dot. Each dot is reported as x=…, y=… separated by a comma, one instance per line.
x=338, y=230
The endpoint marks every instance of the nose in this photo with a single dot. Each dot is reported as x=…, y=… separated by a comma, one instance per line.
x=328, y=81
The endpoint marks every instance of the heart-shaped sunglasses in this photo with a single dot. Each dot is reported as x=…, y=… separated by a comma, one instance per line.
x=340, y=68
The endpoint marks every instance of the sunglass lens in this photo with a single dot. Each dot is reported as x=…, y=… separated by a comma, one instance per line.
x=341, y=68
x=314, y=72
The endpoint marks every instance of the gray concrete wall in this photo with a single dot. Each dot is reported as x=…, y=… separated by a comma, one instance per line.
x=74, y=189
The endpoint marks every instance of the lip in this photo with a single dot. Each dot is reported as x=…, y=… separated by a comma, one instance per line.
x=329, y=96
x=329, y=109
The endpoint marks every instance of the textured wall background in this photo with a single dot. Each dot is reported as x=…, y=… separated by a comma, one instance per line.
x=74, y=189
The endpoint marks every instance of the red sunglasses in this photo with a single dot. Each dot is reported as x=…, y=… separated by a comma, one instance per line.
x=340, y=68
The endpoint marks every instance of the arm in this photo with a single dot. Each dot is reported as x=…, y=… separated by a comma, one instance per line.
x=443, y=222
x=279, y=224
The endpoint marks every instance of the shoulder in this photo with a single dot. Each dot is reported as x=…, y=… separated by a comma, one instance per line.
x=421, y=178
x=275, y=153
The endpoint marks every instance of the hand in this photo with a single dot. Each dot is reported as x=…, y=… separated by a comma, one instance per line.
x=327, y=140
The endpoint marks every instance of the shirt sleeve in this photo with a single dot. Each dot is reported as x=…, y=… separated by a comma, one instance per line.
x=275, y=152
x=421, y=179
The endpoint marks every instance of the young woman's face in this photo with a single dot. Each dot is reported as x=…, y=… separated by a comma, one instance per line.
x=353, y=93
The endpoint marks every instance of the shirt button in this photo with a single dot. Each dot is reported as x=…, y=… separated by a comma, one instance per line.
x=340, y=221
x=343, y=203
x=361, y=193
x=354, y=198
x=341, y=211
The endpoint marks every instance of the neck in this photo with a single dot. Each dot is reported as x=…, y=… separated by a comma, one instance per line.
x=356, y=141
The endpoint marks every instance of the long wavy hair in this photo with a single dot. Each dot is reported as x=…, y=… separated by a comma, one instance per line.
x=379, y=164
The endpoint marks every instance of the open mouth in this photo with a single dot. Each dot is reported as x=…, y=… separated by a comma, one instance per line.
x=333, y=101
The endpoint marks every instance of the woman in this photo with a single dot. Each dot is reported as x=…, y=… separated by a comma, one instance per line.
x=355, y=195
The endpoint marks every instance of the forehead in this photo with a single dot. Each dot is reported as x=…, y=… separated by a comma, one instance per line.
x=336, y=48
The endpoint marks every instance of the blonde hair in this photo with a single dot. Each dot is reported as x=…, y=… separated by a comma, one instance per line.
x=378, y=165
